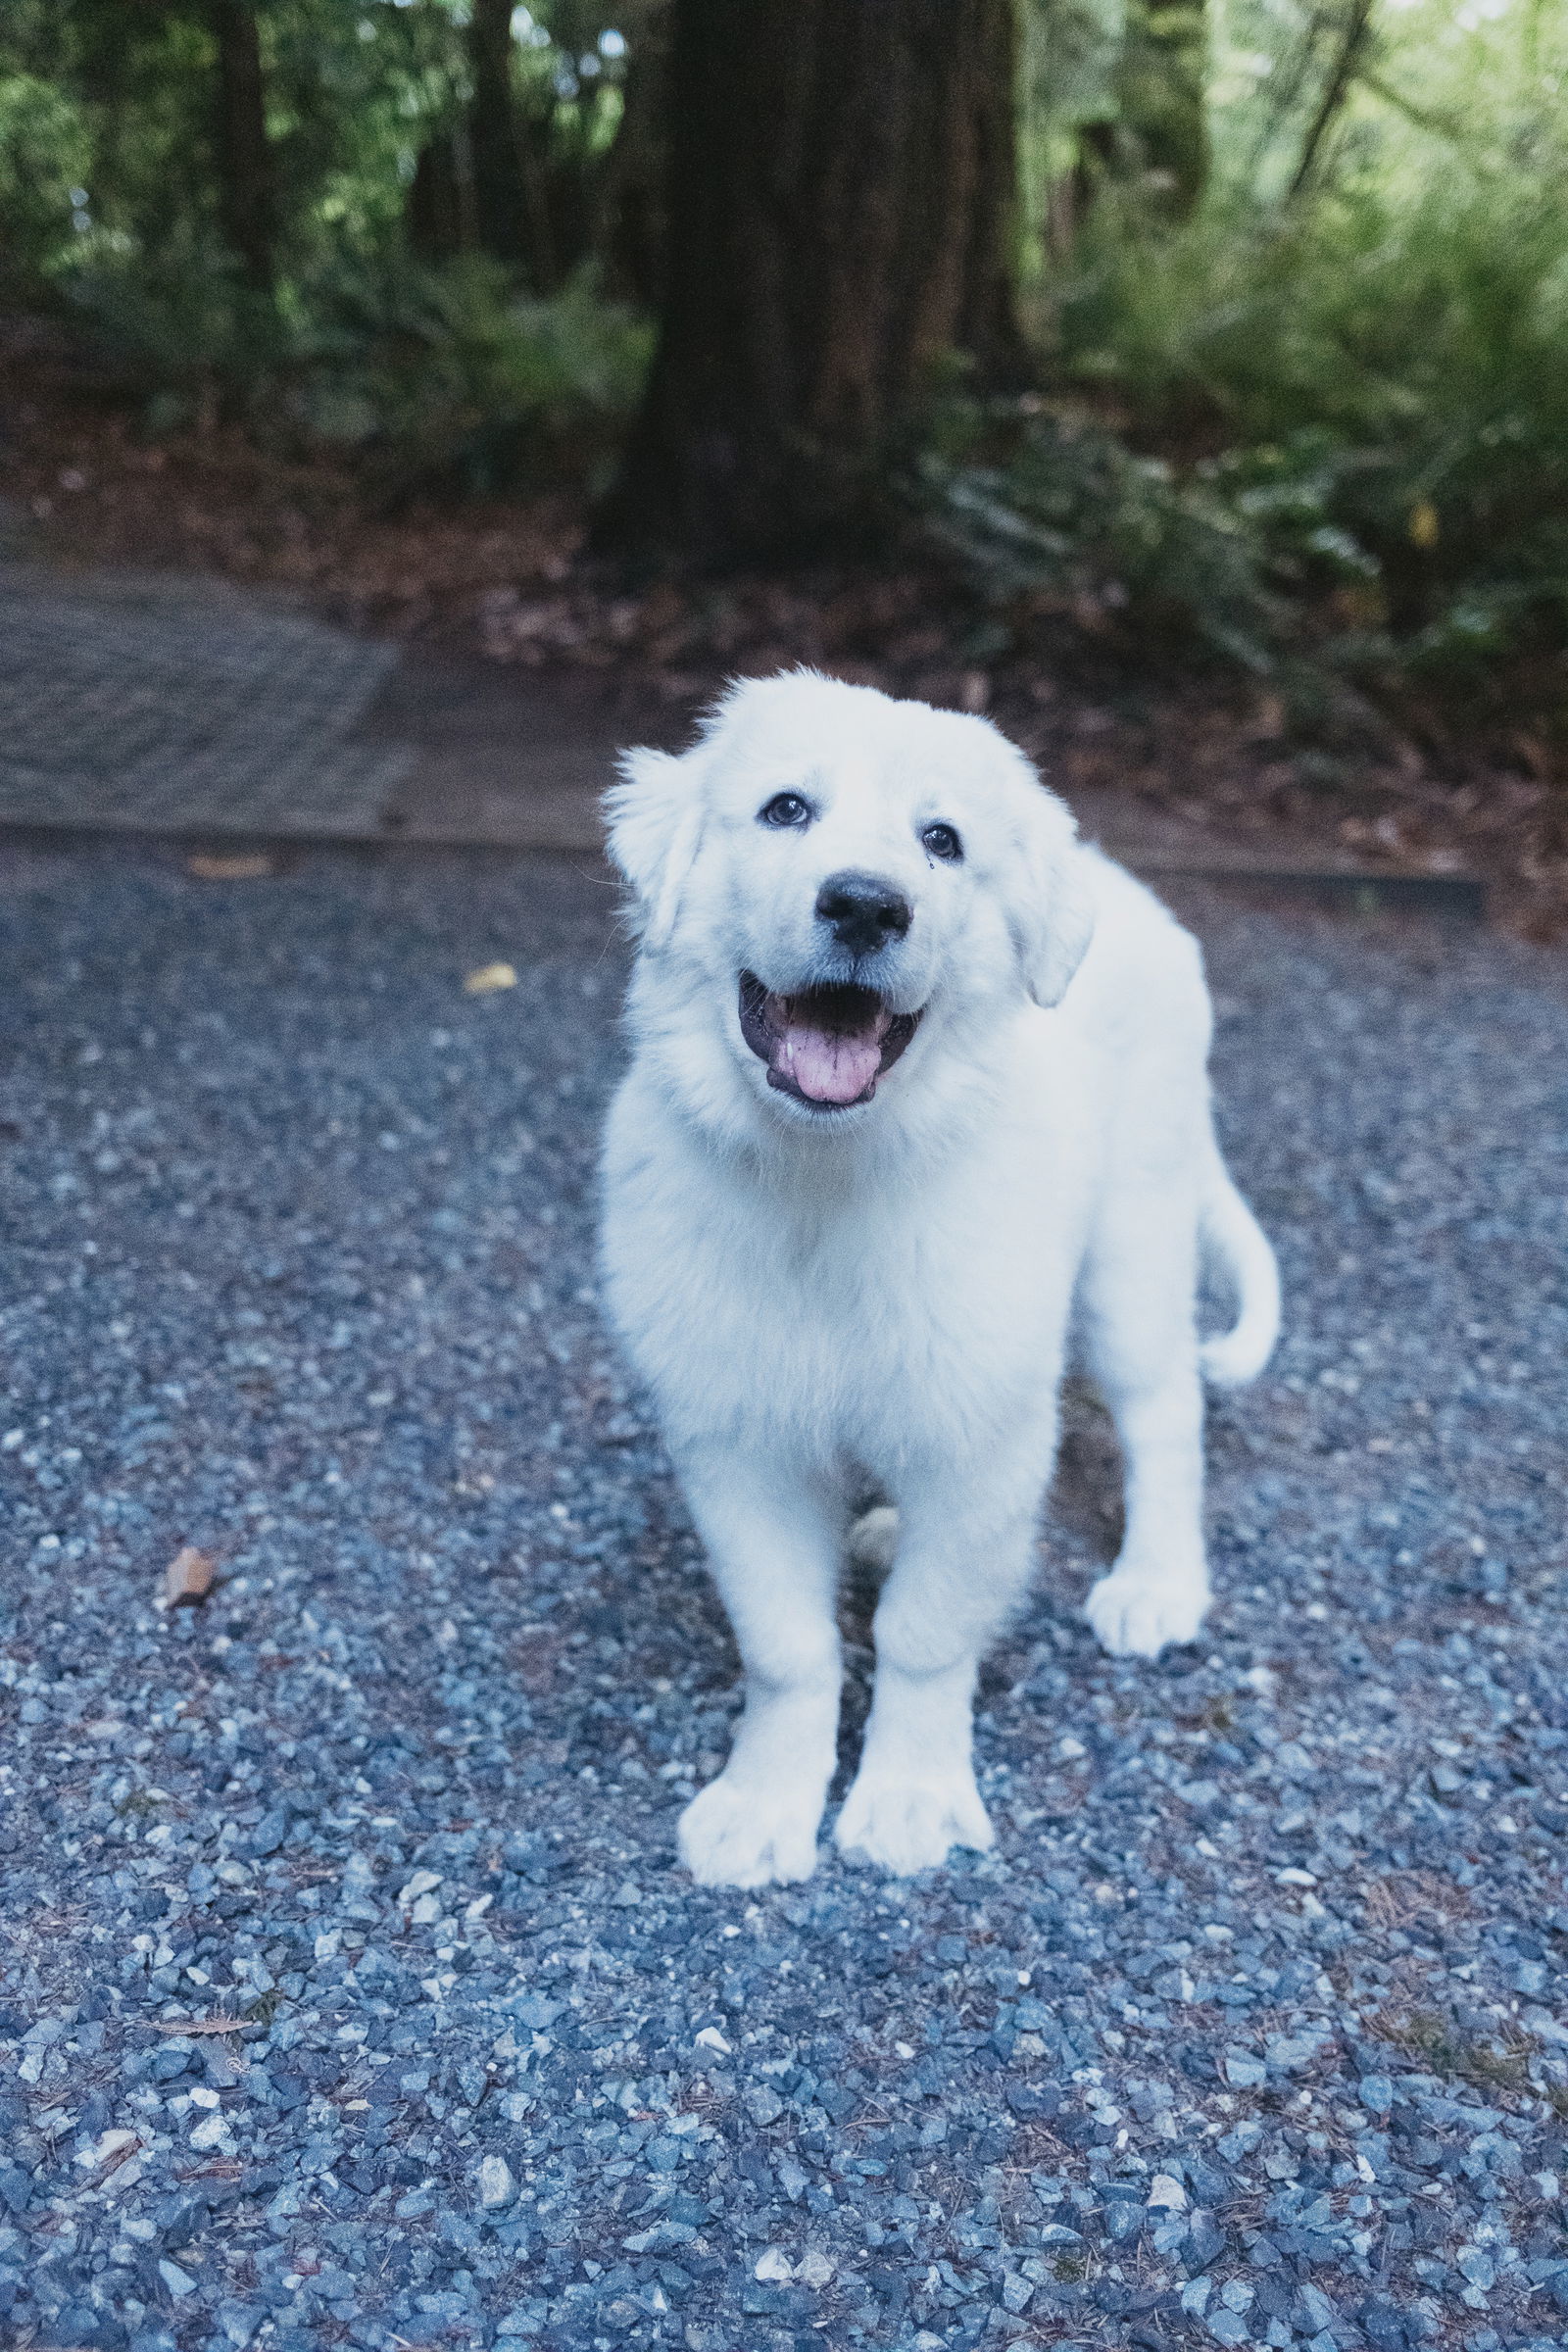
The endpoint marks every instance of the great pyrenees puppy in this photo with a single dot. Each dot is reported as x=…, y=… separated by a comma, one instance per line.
x=918, y=1080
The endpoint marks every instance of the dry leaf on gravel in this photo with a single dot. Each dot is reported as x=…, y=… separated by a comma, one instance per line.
x=200, y=2025
x=488, y=978
x=189, y=1577
x=252, y=866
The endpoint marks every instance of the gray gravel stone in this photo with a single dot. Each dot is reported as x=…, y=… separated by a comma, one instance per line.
x=298, y=1269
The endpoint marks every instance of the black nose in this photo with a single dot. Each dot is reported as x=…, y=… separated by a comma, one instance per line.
x=863, y=911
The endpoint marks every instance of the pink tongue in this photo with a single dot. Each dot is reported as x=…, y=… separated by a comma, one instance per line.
x=830, y=1066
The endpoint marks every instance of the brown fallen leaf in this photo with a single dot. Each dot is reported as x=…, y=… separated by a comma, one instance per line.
x=189, y=1577
x=488, y=978
x=247, y=866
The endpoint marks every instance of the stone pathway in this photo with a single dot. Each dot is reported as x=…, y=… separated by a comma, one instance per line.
x=157, y=703
x=162, y=704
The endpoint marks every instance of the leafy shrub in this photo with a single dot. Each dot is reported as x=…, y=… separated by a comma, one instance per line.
x=451, y=375
x=176, y=326
x=1048, y=509
x=438, y=373
x=1385, y=375
x=1049, y=512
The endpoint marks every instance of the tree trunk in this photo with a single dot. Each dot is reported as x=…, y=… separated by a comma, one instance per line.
x=841, y=216
x=510, y=213
x=631, y=233
x=439, y=215
x=247, y=194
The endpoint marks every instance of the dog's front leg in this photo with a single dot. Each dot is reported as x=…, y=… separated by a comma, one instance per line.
x=773, y=1542
x=966, y=1553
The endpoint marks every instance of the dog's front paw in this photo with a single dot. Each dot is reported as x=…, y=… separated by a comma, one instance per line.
x=908, y=1824
x=736, y=1834
x=1136, y=1611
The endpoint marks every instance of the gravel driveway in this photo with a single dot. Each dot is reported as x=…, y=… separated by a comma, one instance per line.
x=348, y=1992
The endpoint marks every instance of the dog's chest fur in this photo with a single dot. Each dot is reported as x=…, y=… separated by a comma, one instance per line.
x=829, y=1314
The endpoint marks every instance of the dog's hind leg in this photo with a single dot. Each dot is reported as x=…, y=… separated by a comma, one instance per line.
x=1138, y=1297
x=773, y=1541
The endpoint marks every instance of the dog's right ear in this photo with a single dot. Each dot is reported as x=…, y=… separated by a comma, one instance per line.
x=654, y=815
x=1053, y=908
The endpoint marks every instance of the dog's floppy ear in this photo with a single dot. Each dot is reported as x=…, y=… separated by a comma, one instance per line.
x=1053, y=909
x=654, y=815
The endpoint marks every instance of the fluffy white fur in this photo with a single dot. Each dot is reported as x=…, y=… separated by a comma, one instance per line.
x=875, y=1301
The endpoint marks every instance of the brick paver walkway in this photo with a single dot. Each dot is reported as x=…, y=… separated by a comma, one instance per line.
x=164, y=704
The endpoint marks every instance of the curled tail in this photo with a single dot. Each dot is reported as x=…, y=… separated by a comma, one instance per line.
x=1234, y=1241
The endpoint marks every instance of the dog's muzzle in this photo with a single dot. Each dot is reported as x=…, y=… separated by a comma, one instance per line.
x=823, y=1047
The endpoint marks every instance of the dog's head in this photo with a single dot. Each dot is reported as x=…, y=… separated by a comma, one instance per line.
x=837, y=879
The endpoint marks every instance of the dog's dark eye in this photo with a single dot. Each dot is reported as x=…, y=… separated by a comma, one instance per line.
x=942, y=842
x=785, y=809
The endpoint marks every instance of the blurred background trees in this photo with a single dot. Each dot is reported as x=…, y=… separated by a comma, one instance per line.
x=1243, y=323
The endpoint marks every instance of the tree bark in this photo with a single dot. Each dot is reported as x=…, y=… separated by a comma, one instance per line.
x=440, y=213
x=247, y=191
x=510, y=211
x=841, y=214
x=631, y=235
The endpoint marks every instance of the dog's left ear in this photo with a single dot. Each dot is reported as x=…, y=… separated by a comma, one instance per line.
x=1052, y=906
x=654, y=815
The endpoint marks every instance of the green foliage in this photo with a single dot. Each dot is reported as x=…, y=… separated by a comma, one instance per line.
x=44, y=148
x=1410, y=362
x=118, y=97
x=1334, y=401
x=437, y=374
x=444, y=368
x=175, y=327
x=455, y=377
x=1051, y=512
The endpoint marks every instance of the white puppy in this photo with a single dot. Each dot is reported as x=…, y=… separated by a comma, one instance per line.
x=913, y=1075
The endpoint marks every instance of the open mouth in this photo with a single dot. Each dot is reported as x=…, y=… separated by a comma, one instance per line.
x=826, y=1047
